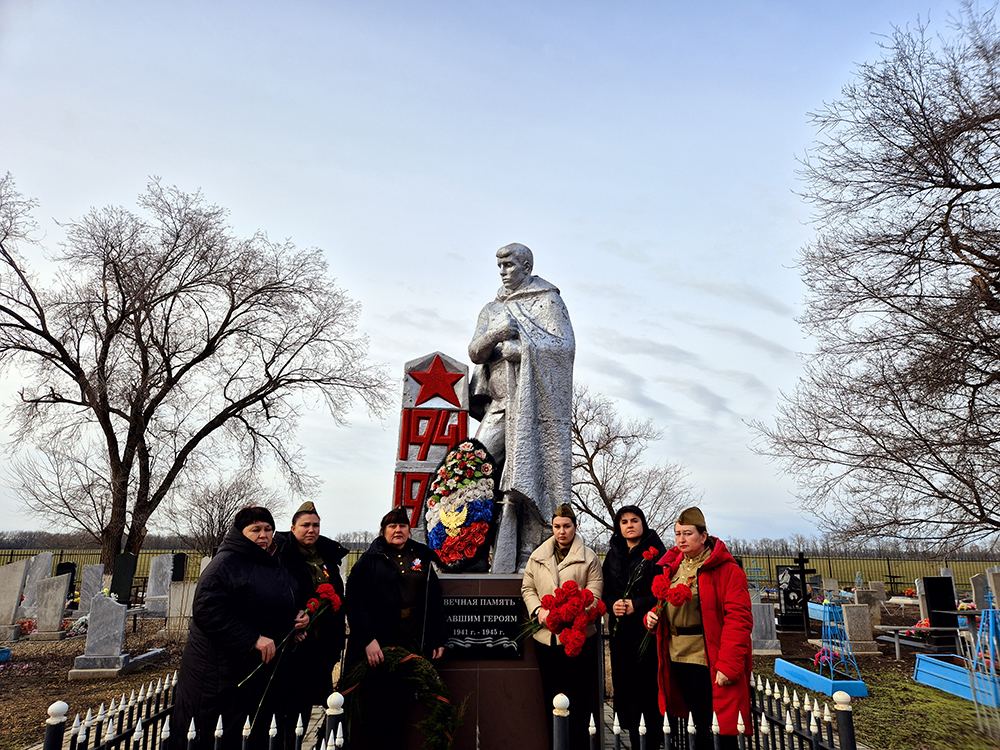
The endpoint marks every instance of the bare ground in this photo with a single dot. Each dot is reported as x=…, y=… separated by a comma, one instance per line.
x=37, y=676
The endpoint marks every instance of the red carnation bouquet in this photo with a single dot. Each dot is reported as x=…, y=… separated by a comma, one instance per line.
x=571, y=610
x=676, y=596
x=326, y=598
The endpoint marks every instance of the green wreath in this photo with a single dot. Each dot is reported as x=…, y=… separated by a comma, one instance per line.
x=444, y=719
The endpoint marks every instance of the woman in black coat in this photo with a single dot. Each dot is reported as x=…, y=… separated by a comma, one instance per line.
x=244, y=606
x=313, y=560
x=393, y=599
x=629, y=568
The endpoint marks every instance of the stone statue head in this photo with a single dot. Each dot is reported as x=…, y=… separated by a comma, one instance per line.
x=515, y=261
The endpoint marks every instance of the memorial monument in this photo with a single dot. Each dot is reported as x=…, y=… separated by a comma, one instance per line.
x=522, y=394
x=485, y=504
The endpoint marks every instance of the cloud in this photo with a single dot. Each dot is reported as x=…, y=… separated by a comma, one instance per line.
x=632, y=386
x=699, y=394
x=749, y=338
x=592, y=292
x=630, y=252
x=614, y=341
x=426, y=319
x=745, y=294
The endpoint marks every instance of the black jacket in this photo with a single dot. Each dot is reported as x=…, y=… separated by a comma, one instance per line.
x=373, y=601
x=332, y=553
x=244, y=593
x=316, y=656
x=619, y=564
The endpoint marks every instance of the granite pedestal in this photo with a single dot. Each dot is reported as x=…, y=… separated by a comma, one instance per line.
x=504, y=696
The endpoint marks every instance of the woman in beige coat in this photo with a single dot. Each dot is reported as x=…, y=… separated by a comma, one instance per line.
x=561, y=558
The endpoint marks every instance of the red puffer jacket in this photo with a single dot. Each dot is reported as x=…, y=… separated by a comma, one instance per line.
x=728, y=621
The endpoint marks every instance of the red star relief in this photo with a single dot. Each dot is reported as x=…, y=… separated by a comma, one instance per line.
x=437, y=381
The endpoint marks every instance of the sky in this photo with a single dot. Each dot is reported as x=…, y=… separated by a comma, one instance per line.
x=645, y=151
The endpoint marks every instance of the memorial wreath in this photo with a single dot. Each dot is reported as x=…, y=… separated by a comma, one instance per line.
x=460, y=506
x=443, y=717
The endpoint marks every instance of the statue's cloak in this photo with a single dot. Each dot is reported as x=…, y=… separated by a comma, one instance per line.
x=539, y=403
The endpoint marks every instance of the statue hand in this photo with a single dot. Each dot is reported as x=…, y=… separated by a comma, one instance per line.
x=510, y=350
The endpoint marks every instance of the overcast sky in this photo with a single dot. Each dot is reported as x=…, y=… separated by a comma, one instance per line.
x=645, y=151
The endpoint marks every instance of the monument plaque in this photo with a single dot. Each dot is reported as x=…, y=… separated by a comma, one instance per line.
x=483, y=627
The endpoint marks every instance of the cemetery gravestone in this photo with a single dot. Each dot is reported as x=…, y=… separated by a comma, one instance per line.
x=68, y=568
x=993, y=579
x=11, y=584
x=815, y=583
x=121, y=579
x=204, y=564
x=791, y=601
x=161, y=570
x=39, y=568
x=922, y=598
x=879, y=588
x=106, y=634
x=858, y=626
x=180, y=567
x=939, y=595
x=51, y=594
x=179, y=607
x=831, y=589
x=979, y=587
x=91, y=581
x=765, y=634
x=870, y=599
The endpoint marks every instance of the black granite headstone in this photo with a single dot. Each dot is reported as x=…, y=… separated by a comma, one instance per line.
x=940, y=594
x=67, y=567
x=121, y=579
x=791, y=598
x=180, y=567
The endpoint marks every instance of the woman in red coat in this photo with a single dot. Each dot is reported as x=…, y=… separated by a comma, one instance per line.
x=703, y=632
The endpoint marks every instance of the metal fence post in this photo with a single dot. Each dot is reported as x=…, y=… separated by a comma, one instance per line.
x=299, y=730
x=55, y=726
x=845, y=720
x=165, y=734
x=560, y=722
x=272, y=734
x=218, y=734
x=334, y=715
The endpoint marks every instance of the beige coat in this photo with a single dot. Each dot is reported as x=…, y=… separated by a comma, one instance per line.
x=542, y=576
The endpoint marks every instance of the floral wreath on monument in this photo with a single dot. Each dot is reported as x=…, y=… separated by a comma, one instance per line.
x=460, y=506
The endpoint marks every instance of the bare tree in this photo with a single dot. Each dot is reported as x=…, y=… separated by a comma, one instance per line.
x=893, y=430
x=164, y=341
x=356, y=539
x=205, y=511
x=609, y=471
